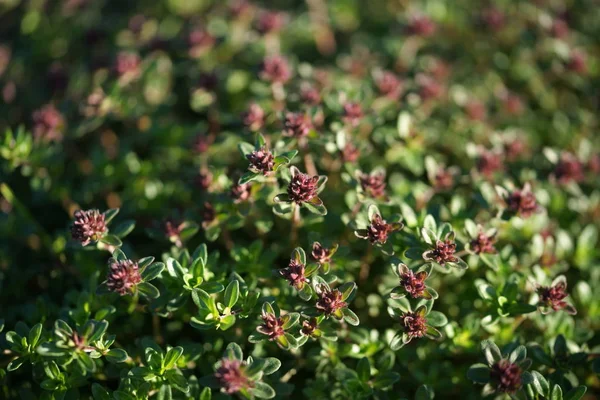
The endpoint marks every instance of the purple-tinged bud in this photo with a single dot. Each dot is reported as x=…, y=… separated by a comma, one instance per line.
x=560, y=29
x=203, y=180
x=493, y=19
x=373, y=184
x=271, y=326
x=569, y=169
x=489, y=163
x=475, y=110
x=553, y=297
x=254, y=117
x=320, y=254
x=297, y=125
x=201, y=143
x=270, y=21
x=240, y=193
x=350, y=153
x=443, y=179
x=413, y=284
x=310, y=96
x=232, y=376
x=302, y=188
x=330, y=301
x=429, y=87
x=276, y=69
x=506, y=376
x=353, y=113
x=421, y=25
x=199, y=40
x=261, y=160
x=389, y=85
x=443, y=252
x=379, y=230
x=88, y=226
x=578, y=62
x=309, y=327
x=123, y=276
x=413, y=324
x=483, y=244
x=128, y=65
x=513, y=104
x=294, y=274
x=522, y=202
x=48, y=124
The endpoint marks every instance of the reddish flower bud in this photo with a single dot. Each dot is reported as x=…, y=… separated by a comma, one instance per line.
x=261, y=160
x=201, y=144
x=475, y=110
x=443, y=252
x=310, y=96
x=568, y=169
x=483, y=244
x=128, y=64
x=203, y=180
x=276, y=69
x=352, y=113
x=240, y=193
x=522, y=202
x=514, y=149
x=308, y=327
x=489, y=163
x=493, y=18
x=443, y=179
x=270, y=21
x=429, y=88
x=553, y=296
x=513, y=104
x=88, y=226
x=302, y=188
x=330, y=301
x=389, y=85
x=373, y=184
x=320, y=254
x=294, y=274
x=350, y=153
x=506, y=376
x=577, y=62
x=123, y=276
x=172, y=229
x=594, y=164
x=254, y=117
x=413, y=284
x=560, y=29
x=413, y=324
x=232, y=376
x=208, y=213
x=48, y=124
x=271, y=326
x=379, y=230
x=297, y=125
x=199, y=40
x=421, y=25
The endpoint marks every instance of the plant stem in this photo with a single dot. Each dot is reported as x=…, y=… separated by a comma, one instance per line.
x=295, y=221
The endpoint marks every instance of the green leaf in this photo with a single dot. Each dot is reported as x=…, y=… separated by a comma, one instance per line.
x=16, y=363
x=272, y=365
x=177, y=380
x=437, y=319
x=165, y=392
x=245, y=148
x=384, y=380
x=299, y=255
x=517, y=355
x=479, y=373
x=540, y=384
x=262, y=390
x=144, y=262
x=116, y=356
x=124, y=228
x=111, y=240
x=206, y=394
x=424, y=392
x=318, y=209
x=347, y=289
x=575, y=393
x=290, y=320
x=171, y=357
x=34, y=335
x=491, y=352
x=234, y=351
x=350, y=317
x=152, y=271
x=363, y=369
x=120, y=395
x=110, y=214
x=100, y=393
x=556, y=393
x=232, y=293
x=148, y=290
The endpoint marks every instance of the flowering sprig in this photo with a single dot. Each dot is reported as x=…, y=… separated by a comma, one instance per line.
x=323, y=255
x=297, y=273
x=234, y=375
x=262, y=160
x=416, y=322
x=275, y=327
x=412, y=283
x=503, y=373
x=551, y=298
x=334, y=302
x=378, y=230
x=129, y=277
x=519, y=202
x=303, y=190
x=91, y=226
x=482, y=242
x=371, y=185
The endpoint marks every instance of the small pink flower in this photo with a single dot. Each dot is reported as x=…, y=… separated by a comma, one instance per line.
x=297, y=125
x=88, y=226
x=123, y=276
x=522, y=202
x=276, y=69
x=483, y=244
x=568, y=169
x=413, y=324
x=48, y=124
x=232, y=376
x=389, y=85
x=330, y=301
x=443, y=252
x=421, y=25
x=254, y=117
x=270, y=21
x=261, y=160
x=552, y=297
x=352, y=113
x=302, y=188
x=506, y=376
x=294, y=274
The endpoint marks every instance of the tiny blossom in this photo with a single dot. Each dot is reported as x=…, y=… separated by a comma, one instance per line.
x=128, y=64
x=514, y=149
x=232, y=376
x=443, y=252
x=88, y=226
x=297, y=125
x=352, y=113
x=261, y=160
x=506, y=376
x=389, y=85
x=413, y=284
x=483, y=244
x=475, y=110
x=421, y=25
x=270, y=21
x=577, y=62
x=513, y=104
x=569, y=169
x=379, y=230
x=443, y=179
x=302, y=188
x=208, y=213
x=489, y=163
x=294, y=274
x=373, y=184
x=240, y=193
x=203, y=180
x=320, y=254
x=429, y=88
x=173, y=230
x=350, y=153
x=271, y=326
x=493, y=18
x=308, y=327
x=560, y=29
x=48, y=124
x=310, y=96
x=522, y=202
x=201, y=143
x=413, y=324
x=254, y=117
x=123, y=276
x=276, y=69
x=553, y=297
x=330, y=301
x=199, y=40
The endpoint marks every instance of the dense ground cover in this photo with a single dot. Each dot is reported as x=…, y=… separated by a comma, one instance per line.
x=323, y=199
